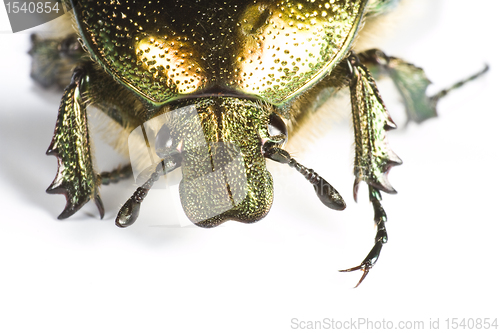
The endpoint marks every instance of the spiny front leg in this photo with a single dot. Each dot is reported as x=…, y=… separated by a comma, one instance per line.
x=373, y=158
x=71, y=145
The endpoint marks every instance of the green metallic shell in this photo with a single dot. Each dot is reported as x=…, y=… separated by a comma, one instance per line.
x=165, y=50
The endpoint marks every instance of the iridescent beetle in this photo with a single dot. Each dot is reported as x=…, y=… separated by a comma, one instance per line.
x=220, y=79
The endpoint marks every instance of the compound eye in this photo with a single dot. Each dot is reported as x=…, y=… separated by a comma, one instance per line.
x=276, y=126
x=164, y=141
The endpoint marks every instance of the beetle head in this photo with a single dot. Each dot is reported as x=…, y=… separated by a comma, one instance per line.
x=224, y=175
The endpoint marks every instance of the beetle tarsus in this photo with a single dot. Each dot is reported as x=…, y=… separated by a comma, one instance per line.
x=380, y=218
x=114, y=176
x=435, y=98
x=365, y=267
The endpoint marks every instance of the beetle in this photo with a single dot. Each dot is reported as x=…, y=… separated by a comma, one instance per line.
x=220, y=84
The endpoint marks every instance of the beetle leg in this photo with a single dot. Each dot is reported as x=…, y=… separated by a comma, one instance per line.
x=371, y=121
x=114, y=176
x=373, y=158
x=411, y=83
x=435, y=98
x=129, y=212
x=54, y=58
x=380, y=238
x=75, y=177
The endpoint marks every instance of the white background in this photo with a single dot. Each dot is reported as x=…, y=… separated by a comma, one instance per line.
x=86, y=275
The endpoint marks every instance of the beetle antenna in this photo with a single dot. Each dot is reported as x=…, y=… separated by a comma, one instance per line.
x=129, y=212
x=325, y=192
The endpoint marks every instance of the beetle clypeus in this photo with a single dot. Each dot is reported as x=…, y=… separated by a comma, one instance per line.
x=216, y=81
